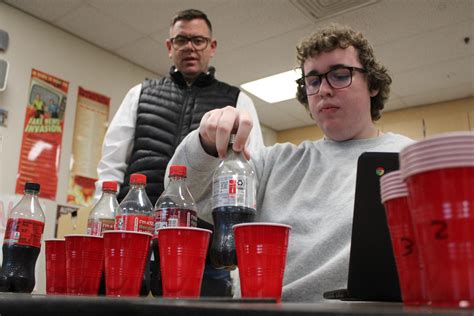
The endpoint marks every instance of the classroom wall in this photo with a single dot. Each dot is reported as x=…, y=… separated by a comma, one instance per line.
x=36, y=44
x=415, y=122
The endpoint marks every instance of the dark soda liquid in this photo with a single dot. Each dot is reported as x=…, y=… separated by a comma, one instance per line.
x=18, y=268
x=222, y=252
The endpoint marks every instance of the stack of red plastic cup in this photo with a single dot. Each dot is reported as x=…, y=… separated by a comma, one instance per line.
x=439, y=173
x=394, y=195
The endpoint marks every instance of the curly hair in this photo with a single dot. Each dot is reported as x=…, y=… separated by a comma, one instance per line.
x=338, y=36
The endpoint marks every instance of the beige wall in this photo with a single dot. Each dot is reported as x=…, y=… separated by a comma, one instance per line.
x=416, y=122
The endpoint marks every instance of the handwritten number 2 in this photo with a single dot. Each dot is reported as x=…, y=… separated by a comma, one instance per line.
x=441, y=227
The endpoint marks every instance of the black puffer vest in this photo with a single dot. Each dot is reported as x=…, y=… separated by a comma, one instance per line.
x=168, y=110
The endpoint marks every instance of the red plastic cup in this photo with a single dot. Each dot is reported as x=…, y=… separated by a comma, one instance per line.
x=261, y=255
x=55, y=253
x=182, y=259
x=125, y=257
x=405, y=246
x=84, y=263
x=441, y=200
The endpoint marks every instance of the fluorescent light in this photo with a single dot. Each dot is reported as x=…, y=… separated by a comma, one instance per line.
x=276, y=88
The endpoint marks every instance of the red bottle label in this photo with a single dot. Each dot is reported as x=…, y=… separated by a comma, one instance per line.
x=174, y=217
x=136, y=223
x=232, y=186
x=25, y=232
x=97, y=227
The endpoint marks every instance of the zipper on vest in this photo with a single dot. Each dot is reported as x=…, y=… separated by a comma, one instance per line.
x=189, y=93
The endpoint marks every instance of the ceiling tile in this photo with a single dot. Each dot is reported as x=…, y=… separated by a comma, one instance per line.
x=48, y=10
x=443, y=94
x=148, y=16
x=94, y=26
x=392, y=20
x=433, y=77
x=426, y=48
x=253, y=21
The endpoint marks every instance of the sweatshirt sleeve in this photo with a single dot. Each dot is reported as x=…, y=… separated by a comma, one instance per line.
x=200, y=167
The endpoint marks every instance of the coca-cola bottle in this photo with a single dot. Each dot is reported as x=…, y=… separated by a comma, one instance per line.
x=22, y=243
x=102, y=217
x=135, y=213
x=233, y=202
x=175, y=207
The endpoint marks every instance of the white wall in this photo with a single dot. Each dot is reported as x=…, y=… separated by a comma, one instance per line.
x=35, y=44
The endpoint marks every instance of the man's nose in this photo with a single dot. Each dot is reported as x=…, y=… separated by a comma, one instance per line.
x=325, y=88
x=189, y=45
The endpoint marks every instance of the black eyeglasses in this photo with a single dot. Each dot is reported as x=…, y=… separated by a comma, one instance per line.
x=337, y=78
x=198, y=42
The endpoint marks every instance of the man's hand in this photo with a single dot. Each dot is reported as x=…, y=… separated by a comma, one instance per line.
x=216, y=127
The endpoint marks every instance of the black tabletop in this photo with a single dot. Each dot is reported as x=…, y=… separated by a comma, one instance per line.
x=26, y=304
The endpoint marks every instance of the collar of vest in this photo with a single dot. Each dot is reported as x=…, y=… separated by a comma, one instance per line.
x=203, y=79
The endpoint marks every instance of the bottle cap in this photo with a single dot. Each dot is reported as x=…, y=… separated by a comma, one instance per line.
x=30, y=186
x=178, y=170
x=138, y=178
x=109, y=186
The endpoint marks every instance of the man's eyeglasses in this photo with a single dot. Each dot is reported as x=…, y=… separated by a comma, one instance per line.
x=198, y=42
x=337, y=78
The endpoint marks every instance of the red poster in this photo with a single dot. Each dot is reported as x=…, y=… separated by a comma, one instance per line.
x=42, y=134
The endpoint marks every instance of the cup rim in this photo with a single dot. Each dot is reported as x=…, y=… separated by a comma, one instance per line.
x=185, y=228
x=54, y=239
x=441, y=138
x=126, y=231
x=418, y=168
x=444, y=143
x=81, y=235
x=394, y=190
x=435, y=154
x=393, y=195
x=261, y=224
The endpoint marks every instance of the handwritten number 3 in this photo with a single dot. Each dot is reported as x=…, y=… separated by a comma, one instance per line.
x=408, y=244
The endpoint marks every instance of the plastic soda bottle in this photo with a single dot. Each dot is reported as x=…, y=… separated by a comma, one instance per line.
x=175, y=207
x=135, y=213
x=233, y=202
x=22, y=243
x=102, y=215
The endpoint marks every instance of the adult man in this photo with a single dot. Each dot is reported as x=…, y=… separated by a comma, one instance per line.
x=155, y=116
x=310, y=186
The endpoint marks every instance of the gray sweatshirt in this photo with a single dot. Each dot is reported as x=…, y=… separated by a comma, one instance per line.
x=310, y=187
